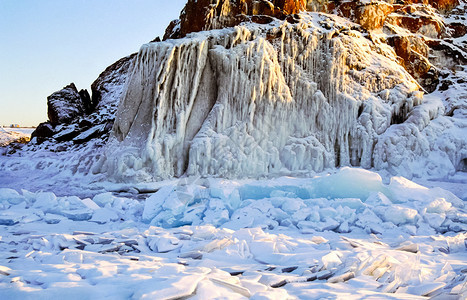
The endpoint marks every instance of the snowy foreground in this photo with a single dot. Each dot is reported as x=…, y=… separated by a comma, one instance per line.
x=346, y=235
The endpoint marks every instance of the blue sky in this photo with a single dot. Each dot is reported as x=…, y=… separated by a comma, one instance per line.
x=47, y=44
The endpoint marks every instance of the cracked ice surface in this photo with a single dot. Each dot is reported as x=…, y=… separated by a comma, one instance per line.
x=346, y=234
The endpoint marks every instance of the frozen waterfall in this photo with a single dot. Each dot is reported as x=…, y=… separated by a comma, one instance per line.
x=259, y=100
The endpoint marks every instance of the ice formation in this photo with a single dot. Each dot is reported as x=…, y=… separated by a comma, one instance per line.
x=260, y=100
x=335, y=236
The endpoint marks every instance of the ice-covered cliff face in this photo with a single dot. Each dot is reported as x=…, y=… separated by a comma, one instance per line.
x=260, y=100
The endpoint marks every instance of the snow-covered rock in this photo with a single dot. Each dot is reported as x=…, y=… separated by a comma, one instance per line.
x=285, y=96
x=67, y=104
x=282, y=117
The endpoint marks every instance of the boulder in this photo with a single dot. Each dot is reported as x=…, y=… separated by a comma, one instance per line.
x=67, y=104
x=43, y=131
x=89, y=106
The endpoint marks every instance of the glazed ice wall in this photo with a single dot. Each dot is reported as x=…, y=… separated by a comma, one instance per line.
x=257, y=100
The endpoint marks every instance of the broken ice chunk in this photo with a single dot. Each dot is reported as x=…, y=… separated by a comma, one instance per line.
x=342, y=278
x=45, y=201
x=5, y=271
x=103, y=199
x=10, y=218
x=53, y=218
x=348, y=182
x=178, y=287
x=425, y=289
x=377, y=199
x=435, y=220
x=104, y=215
x=90, y=204
x=77, y=214
x=397, y=214
x=153, y=204
x=439, y=205
x=413, y=248
x=11, y=196
x=331, y=260
x=234, y=287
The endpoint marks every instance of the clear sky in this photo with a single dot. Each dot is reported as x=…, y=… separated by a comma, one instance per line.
x=47, y=44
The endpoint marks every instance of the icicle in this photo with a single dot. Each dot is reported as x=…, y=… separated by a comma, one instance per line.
x=256, y=100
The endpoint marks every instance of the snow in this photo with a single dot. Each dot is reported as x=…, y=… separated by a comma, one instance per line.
x=10, y=135
x=24, y=130
x=344, y=234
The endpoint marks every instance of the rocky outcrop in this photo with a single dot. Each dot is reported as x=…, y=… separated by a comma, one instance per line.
x=281, y=90
x=107, y=88
x=76, y=116
x=414, y=29
x=409, y=23
x=44, y=130
x=199, y=15
x=67, y=104
x=257, y=100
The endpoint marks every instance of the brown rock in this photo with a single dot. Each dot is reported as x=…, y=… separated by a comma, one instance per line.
x=442, y=5
x=420, y=24
x=413, y=53
x=369, y=15
x=457, y=30
x=373, y=15
x=327, y=6
x=199, y=15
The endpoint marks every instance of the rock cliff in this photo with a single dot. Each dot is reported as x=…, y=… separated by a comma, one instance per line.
x=252, y=88
x=409, y=26
x=280, y=90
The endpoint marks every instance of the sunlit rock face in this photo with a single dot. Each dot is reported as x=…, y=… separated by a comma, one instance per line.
x=408, y=23
x=199, y=15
